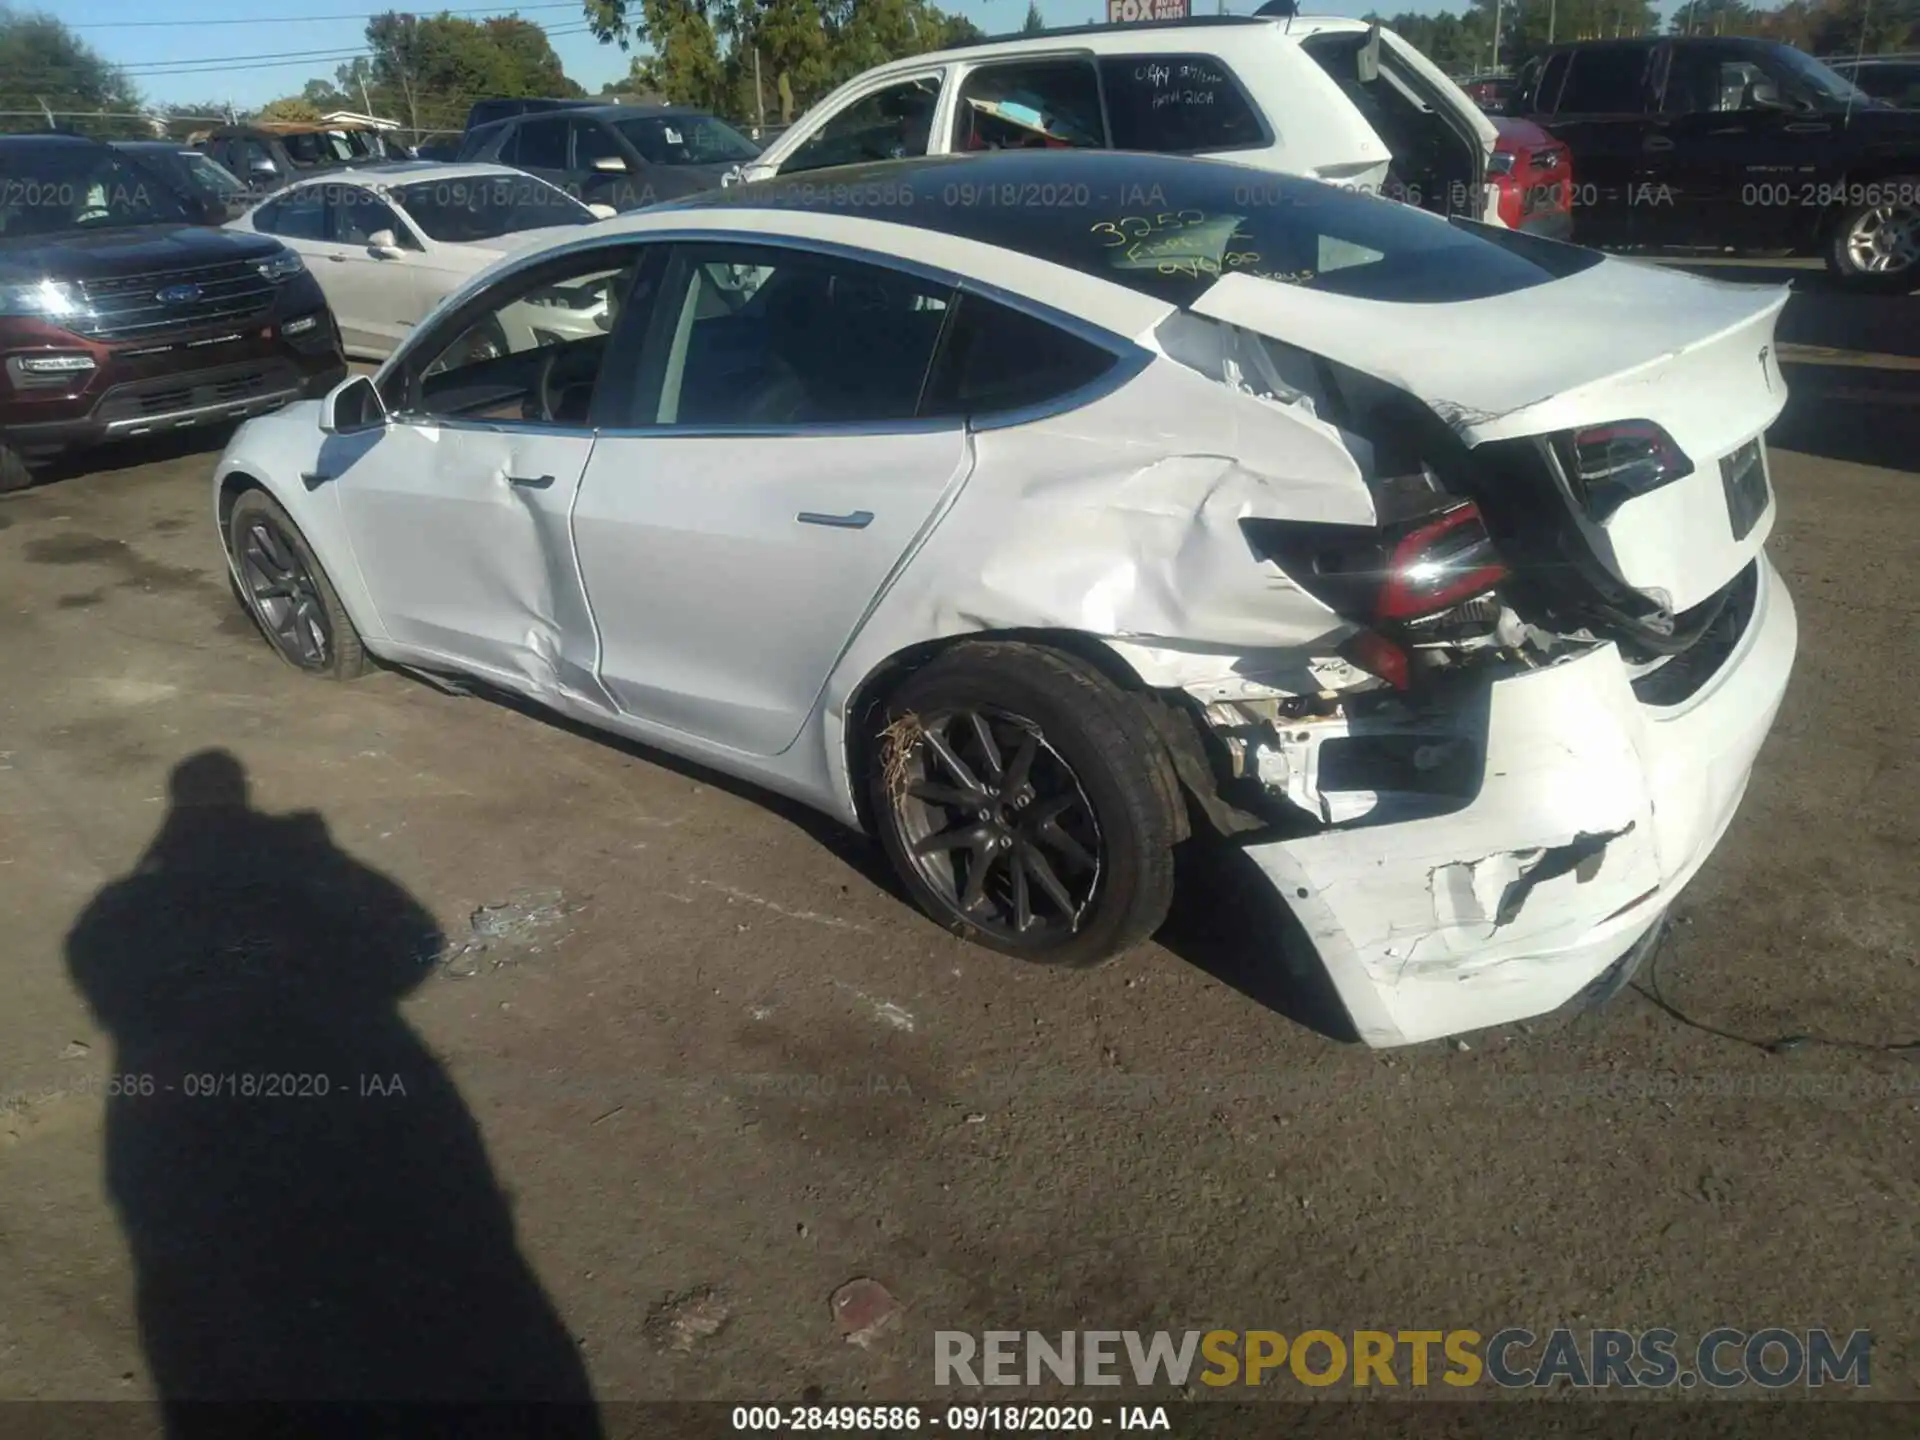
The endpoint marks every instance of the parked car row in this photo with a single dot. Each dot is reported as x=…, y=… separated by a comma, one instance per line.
x=1728, y=144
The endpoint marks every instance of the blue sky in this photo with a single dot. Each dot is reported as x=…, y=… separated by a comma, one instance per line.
x=176, y=58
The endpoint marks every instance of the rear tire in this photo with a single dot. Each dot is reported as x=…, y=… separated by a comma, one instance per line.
x=286, y=591
x=14, y=472
x=1027, y=804
x=1875, y=247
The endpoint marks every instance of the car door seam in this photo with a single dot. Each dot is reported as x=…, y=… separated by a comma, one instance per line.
x=580, y=577
x=942, y=508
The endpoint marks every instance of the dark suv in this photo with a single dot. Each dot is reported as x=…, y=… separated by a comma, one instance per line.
x=625, y=156
x=268, y=155
x=486, y=112
x=1732, y=144
x=120, y=317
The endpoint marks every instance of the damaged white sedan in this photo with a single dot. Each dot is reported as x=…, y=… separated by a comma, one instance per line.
x=1034, y=521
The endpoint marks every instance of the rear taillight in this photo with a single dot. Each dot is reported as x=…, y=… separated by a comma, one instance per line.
x=1608, y=465
x=1404, y=583
x=1438, y=564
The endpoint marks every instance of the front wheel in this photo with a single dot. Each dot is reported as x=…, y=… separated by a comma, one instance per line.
x=1026, y=803
x=287, y=592
x=1875, y=245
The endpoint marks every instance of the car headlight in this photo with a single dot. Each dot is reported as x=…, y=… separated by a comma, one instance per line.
x=283, y=266
x=53, y=299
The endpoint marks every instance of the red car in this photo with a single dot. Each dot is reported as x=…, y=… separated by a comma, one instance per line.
x=1533, y=173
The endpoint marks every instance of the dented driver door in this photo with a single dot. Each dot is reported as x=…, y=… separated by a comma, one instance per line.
x=461, y=531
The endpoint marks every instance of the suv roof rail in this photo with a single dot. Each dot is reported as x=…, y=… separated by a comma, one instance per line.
x=1118, y=28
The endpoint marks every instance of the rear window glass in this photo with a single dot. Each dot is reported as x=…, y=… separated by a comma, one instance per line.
x=1176, y=103
x=1170, y=229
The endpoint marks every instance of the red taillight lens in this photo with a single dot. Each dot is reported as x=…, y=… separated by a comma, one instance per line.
x=1609, y=465
x=1438, y=564
x=1377, y=655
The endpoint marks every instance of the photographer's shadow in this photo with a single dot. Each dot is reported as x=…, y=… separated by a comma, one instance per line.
x=308, y=1202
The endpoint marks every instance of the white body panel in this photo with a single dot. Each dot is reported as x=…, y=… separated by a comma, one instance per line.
x=379, y=299
x=1316, y=130
x=663, y=587
x=733, y=625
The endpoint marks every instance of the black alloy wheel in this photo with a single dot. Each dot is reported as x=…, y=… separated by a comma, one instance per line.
x=1026, y=802
x=998, y=825
x=284, y=597
x=287, y=592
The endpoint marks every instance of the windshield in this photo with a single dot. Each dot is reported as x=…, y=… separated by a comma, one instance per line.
x=50, y=188
x=686, y=140
x=329, y=147
x=485, y=207
x=1821, y=79
x=210, y=176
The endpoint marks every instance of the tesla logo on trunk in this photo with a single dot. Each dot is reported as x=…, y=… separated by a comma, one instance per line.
x=178, y=295
x=1765, y=373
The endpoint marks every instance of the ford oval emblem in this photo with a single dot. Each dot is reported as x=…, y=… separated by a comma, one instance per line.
x=178, y=295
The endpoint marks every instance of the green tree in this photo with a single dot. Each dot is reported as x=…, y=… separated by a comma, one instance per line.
x=289, y=107
x=45, y=66
x=184, y=120
x=425, y=71
x=1035, y=21
x=703, y=52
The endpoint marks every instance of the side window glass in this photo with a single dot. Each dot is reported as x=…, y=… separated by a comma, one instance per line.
x=1606, y=82
x=1546, y=94
x=738, y=343
x=892, y=123
x=541, y=145
x=302, y=215
x=1176, y=103
x=266, y=219
x=1030, y=105
x=592, y=141
x=359, y=215
x=996, y=359
x=533, y=351
x=1736, y=79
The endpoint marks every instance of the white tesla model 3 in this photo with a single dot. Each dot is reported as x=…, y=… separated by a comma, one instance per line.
x=1035, y=510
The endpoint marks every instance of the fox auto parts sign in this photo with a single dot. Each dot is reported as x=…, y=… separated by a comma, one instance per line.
x=1129, y=11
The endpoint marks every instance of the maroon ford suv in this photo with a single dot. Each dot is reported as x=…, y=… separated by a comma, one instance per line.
x=120, y=317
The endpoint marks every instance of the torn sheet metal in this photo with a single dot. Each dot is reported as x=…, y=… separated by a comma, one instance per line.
x=1138, y=541
x=1589, y=818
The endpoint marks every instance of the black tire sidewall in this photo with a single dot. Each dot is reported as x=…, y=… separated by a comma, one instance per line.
x=1112, y=752
x=348, y=659
x=15, y=474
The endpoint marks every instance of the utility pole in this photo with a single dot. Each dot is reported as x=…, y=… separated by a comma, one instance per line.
x=45, y=110
x=1495, y=67
x=1553, y=12
x=365, y=103
x=759, y=101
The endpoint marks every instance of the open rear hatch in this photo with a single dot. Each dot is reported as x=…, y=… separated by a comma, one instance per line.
x=1620, y=408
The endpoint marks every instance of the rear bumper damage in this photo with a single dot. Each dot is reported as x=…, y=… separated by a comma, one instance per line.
x=1593, y=812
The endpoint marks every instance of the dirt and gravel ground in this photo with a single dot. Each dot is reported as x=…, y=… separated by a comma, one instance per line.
x=705, y=1066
